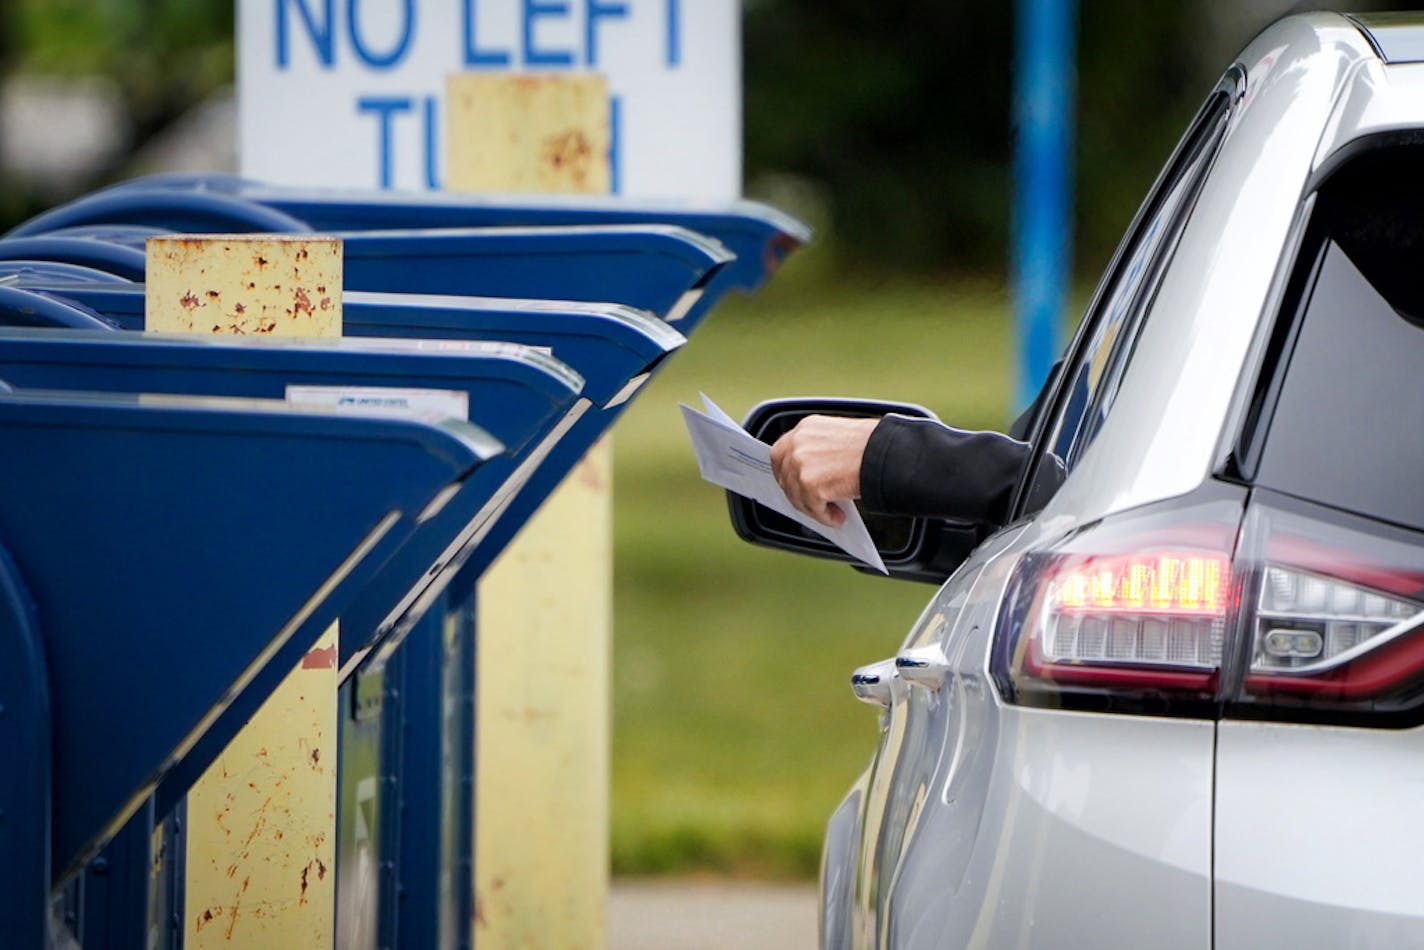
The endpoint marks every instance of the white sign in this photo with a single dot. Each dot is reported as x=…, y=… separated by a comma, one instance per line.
x=348, y=92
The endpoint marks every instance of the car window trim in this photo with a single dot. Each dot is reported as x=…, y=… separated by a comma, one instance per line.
x=1126, y=342
x=1231, y=86
x=1248, y=437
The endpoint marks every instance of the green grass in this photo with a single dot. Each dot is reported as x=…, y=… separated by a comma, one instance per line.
x=735, y=733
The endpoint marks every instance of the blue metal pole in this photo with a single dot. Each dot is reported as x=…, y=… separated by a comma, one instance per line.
x=1044, y=93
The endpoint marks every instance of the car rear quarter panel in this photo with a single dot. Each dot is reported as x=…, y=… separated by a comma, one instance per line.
x=1319, y=837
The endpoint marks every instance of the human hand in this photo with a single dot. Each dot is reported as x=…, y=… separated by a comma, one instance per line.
x=818, y=462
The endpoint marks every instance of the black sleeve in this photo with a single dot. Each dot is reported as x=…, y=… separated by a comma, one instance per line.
x=927, y=469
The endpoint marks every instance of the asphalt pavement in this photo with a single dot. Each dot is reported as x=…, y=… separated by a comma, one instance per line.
x=710, y=915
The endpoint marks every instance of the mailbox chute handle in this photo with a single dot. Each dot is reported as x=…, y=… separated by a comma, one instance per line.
x=194, y=212
x=23, y=308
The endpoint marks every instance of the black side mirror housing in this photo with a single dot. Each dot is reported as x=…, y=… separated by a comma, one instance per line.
x=918, y=549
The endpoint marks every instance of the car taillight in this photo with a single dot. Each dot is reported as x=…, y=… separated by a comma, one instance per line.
x=1164, y=612
x=1305, y=615
x=1126, y=610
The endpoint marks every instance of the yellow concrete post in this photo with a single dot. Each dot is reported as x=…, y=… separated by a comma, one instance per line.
x=545, y=607
x=261, y=827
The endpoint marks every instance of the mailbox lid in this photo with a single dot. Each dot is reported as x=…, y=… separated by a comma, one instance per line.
x=510, y=390
x=760, y=236
x=608, y=344
x=586, y=335
x=116, y=303
x=17, y=272
x=652, y=267
x=181, y=210
x=28, y=308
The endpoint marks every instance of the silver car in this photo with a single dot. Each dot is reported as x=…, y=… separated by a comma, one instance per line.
x=1178, y=700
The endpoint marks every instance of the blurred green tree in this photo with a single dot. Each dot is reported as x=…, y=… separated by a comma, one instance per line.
x=898, y=114
x=164, y=55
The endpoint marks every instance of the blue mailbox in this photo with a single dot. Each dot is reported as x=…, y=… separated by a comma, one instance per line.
x=520, y=395
x=395, y=727
x=761, y=237
x=406, y=760
x=127, y=524
x=613, y=348
x=653, y=266
x=408, y=767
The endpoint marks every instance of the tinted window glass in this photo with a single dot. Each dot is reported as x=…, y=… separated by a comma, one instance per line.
x=1101, y=352
x=1088, y=395
x=1348, y=422
x=1342, y=402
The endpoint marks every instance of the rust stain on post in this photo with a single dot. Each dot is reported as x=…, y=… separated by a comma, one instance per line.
x=244, y=284
x=320, y=658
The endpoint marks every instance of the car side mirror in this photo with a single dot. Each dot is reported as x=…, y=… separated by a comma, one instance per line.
x=919, y=549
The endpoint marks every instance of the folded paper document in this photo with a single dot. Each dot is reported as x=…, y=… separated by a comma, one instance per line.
x=730, y=458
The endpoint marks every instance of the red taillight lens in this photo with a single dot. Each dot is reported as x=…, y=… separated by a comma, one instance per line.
x=1154, y=621
x=1166, y=584
x=1317, y=613
x=1134, y=608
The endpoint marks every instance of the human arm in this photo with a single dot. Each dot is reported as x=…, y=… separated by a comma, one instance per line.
x=924, y=468
x=897, y=465
x=905, y=466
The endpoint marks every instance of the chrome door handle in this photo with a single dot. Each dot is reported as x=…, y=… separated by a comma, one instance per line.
x=923, y=666
x=872, y=684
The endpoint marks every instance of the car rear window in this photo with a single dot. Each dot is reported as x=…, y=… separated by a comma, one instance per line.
x=1348, y=424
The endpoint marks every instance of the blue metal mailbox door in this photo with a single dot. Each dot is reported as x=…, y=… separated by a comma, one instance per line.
x=520, y=394
x=134, y=524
